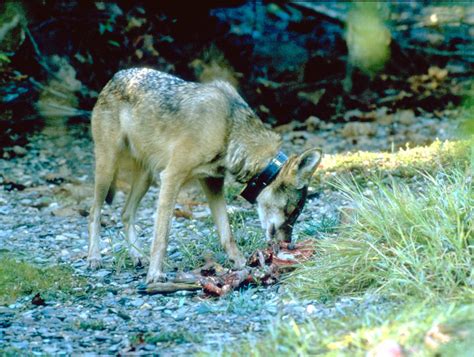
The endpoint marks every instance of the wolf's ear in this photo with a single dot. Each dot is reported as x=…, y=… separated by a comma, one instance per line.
x=307, y=163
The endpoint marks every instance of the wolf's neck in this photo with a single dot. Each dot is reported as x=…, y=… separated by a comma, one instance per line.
x=251, y=147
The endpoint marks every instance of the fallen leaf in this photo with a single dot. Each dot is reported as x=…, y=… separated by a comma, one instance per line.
x=436, y=337
x=38, y=300
x=179, y=213
x=356, y=129
x=64, y=212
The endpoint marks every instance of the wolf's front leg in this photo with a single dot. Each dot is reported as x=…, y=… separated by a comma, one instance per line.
x=214, y=190
x=170, y=186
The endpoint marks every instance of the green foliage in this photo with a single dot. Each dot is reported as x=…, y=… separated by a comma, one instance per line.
x=4, y=58
x=232, y=192
x=401, y=242
x=114, y=43
x=466, y=129
x=19, y=278
x=367, y=37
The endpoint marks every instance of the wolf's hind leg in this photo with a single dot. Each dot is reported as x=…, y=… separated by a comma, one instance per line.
x=105, y=175
x=141, y=182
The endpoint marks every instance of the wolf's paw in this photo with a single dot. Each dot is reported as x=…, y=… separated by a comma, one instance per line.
x=156, y=277
x=137, y=258
x=94, y=263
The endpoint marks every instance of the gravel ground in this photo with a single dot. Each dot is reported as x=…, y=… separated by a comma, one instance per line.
x=46, y=193
x=44, y=201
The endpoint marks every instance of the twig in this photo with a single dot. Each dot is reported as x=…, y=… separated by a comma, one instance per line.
x=63, y=110
x=331, y=15
x=48, y=89
x=39, y=55
x=434, y=51
x=169, y=287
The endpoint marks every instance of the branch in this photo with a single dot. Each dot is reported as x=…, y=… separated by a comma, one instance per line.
x=39, y=55
x=331, y=15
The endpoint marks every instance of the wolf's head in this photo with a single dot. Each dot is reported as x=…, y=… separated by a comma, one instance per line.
x=282, y=201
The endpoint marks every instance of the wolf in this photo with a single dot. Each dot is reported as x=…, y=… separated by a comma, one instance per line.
x=186, y=131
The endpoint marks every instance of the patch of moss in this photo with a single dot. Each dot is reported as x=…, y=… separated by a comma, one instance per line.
x=19, y=278
x=94, y=325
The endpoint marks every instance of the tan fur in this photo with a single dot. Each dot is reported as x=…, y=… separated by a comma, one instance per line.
x=183, y=130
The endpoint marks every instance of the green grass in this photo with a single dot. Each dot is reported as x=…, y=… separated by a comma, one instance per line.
x=197, y=248
x=166, y=337
x=409, y=241
x=92, y=325
x=355, y=334
x=19, y=278
x=400, y=242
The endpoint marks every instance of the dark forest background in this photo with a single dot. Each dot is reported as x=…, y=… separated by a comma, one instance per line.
x=290, y=60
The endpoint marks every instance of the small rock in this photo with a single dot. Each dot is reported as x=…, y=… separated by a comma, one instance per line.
x=355, y=129
x=102, y=273
x=149, y=347
x=137, y=302
x=19, y=151
x=312, y=123
x=64, y=212
x=22, y=345
x=405, y=117
x=310, y=309
x=387, y=348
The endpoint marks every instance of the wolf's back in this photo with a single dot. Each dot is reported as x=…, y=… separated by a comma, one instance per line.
x=150, y=94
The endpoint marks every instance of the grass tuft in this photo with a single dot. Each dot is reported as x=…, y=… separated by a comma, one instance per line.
x=419, y=330
x=400, y=241
x=165, y=337
x=195, y=251
x=90, y=325
x=407, y=241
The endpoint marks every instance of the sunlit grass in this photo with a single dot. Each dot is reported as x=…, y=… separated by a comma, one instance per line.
x=418, y=329
x=405, y=163
x=409, y=245
x=400, y=241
